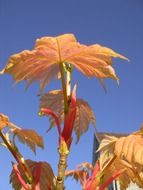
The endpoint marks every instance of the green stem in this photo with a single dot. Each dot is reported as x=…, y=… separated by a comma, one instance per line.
x=62, y=78
x=61, y=171
x=68, y=83
x=64, y=88
x=22, y=163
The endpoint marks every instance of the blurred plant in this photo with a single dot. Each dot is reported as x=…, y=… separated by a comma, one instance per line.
x=56, y=57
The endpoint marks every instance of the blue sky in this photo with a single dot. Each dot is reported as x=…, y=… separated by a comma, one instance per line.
x=117, y=24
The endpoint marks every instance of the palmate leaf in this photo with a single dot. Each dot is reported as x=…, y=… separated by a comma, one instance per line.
x=29, y=137
x=26, y=136
x=106, y=149
x=131, y=147
x=124, y=178
x=128, y=152
x=46, y=180
x=84, y=114
x=42, y=63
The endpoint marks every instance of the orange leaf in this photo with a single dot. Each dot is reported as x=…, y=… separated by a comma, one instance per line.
x=128, y=152
x=29, y=137
x=81, y=173
x=45, y=179
x=42, y=63
x=53, y=100
x=130, y=148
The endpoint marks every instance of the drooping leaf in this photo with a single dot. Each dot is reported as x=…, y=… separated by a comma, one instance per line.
x=84, y=117
x=106, y=149
x=125, y=149
x=54, y=101
x=42, y=63
x=131, y=147
x=128, y=174
x=29, y=137
x=84, y=114
x=46, y=175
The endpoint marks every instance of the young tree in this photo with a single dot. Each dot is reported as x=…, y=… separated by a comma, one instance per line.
x=57, y=57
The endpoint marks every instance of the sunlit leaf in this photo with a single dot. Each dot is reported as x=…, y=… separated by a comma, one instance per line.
x=128, y=153
x=46, y=179
x=84, y=117
x=130, y=148
x=106, y=149
x=42, y=63
x=4, y=121
x=84, y=114
x=55, y=102
x=29, y=137
x=81, y=173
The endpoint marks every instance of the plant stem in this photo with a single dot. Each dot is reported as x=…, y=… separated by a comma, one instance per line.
x=64, y=88
x=62, y=78
x=68, y=83
x=22, y=164
x=63, y=153
x=61, y=171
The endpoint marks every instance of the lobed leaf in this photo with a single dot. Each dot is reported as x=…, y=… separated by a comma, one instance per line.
x=84, y=114
x=81, y=173
x=130, y=148
x=46, y=179
x=106, y=149
x=29, y=137
x=128, y=152
x=42, y=63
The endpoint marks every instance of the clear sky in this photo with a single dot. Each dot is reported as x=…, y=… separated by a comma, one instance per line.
x=117, y=24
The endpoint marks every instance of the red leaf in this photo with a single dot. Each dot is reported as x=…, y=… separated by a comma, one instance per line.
x=43, y=176
x=36, y=174
x=20, y=179
x=69, y=119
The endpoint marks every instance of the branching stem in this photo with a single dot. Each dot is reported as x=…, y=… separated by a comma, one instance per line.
x=22, y=164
